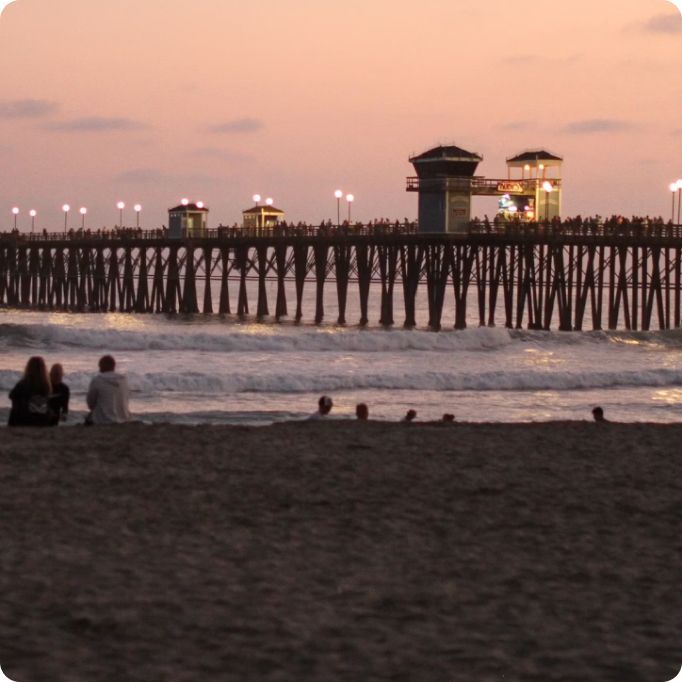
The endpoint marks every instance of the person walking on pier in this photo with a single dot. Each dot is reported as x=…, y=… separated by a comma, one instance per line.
x=108, y=395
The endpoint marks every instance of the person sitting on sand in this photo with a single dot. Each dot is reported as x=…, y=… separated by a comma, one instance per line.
x=30, y=397
x=324, y=407
x=108, y=395
x=598, y=414
x=410, y=416
x=362, y=412
x=59, y=399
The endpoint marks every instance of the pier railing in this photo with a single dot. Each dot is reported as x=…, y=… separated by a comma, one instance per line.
x=631, y=229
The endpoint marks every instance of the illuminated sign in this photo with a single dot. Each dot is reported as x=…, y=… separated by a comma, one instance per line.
x=512, y=187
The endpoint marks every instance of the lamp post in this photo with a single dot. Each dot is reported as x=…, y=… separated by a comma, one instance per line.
x=120, y=206
x=547, y=186
x=269, y=201
x=673, y=188
x=138, y=210
x=350, y=199
x=339, y=195
x=83, y=212
x=66, y=208
x=15, y=211
x=33, y=213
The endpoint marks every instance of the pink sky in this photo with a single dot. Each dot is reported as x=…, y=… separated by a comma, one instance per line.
x=153, y=100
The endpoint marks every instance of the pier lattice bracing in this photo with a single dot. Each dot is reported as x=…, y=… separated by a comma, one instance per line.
x=565, y=282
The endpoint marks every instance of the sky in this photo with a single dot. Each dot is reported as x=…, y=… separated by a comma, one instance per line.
x=151, y=101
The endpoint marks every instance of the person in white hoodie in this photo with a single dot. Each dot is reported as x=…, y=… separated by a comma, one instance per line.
x=108, y=395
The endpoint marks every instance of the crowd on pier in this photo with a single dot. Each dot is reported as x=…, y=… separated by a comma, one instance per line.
x=615, y=225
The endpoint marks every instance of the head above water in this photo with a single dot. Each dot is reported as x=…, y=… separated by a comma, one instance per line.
x=448, y=417
x=362, y=412
x=107, y=364
x=411, y=415
x=598, y=414
x=325, y=404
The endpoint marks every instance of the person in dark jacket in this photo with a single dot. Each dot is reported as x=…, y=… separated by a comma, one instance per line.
x=59, y=400
x=30, y=397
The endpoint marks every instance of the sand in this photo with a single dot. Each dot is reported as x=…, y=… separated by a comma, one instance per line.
x=341, y=551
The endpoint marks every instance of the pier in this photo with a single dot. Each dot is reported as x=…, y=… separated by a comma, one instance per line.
x=565, y=276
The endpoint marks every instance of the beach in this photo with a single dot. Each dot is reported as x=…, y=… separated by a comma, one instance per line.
x=341, y=551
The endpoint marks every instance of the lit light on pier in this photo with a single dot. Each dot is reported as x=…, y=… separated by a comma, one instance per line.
x=350, y=198
x=269, y=202
x=138, y=210
x=339, y=195
x=66, y=208
x=33, y=213
x=185, y=202
x=120, y=206
x=15, y=212
x=83, y=212
x=257, y=199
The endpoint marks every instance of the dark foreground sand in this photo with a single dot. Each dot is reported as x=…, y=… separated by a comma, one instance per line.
x=340, y=551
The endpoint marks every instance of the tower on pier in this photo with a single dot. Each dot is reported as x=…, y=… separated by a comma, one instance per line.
x=540, y=182
x=444, y=183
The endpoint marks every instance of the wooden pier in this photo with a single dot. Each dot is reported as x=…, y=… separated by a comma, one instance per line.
x=535, y=277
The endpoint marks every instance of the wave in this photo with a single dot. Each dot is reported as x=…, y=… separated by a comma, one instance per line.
x=250, y=338
x=229, y=338
x=295, y=382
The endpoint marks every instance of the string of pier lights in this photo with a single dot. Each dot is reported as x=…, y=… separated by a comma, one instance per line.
x=676, y=187
x=350, y=198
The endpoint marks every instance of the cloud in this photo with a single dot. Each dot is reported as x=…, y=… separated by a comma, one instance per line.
x=222, y=154
x=663, y=23
x=95, y=124
x=539, y=59
x=239, y=126
x=147, y=176
x=27, y=108
x=598, y=125
x=514, y=126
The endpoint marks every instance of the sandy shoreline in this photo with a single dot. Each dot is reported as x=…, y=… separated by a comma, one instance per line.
x=341, y=551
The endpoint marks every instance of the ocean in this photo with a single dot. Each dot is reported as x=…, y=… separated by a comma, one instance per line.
x=208, y=369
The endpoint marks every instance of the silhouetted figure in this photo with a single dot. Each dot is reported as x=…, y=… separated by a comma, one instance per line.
x=598, y=414
x=30, y=397
x=362, y=412
x=448, y=418
x=324, y=407
x=108, y=395
x=59, y=399
x=410, y=416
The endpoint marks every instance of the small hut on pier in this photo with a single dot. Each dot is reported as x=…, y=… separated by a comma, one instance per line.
x=260, y=216
x=187, y=220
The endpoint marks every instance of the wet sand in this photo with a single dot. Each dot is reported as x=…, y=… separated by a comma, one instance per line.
x=342, y=551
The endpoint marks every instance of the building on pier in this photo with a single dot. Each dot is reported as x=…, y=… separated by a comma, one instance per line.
x=260, y=216
x=446, y=182
x=187, y=220
x=536, y=195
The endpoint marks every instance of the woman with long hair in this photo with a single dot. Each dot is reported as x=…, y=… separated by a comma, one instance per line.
x=30, y=397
